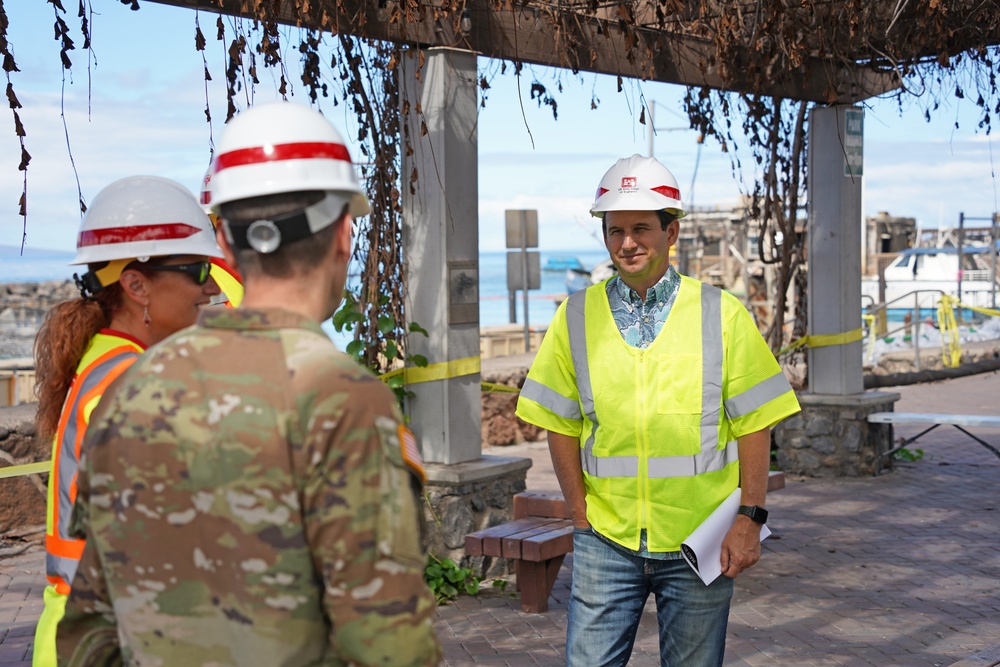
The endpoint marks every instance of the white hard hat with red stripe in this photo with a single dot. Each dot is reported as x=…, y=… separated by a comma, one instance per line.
x=141, y=217
x=283, y=147
x=638, y=183
x=205, y=196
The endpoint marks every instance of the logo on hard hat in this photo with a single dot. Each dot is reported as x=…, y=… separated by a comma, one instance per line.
x=628, y=182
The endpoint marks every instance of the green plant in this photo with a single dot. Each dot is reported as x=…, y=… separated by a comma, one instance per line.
x=349, y=316
x=448, y=580
x=905, y=454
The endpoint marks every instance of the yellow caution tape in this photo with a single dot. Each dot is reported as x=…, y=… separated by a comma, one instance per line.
x=447, y=370
x=440, y=371
x=824, y=340
x=951, y=348
x=985, y=311
x=27, y=469
x=872, y=335
x=493, y=388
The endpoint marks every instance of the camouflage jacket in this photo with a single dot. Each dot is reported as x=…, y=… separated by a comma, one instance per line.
x=249, y=497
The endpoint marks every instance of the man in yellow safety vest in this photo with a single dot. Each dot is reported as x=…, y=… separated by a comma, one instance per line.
x=658, y=394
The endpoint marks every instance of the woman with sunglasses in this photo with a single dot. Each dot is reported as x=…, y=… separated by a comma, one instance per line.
x=148, y=248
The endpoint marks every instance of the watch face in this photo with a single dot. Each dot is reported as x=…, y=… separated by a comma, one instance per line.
x=758, y=514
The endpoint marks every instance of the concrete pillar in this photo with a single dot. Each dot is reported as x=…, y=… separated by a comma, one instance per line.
x=441, y=242
x=835, y=173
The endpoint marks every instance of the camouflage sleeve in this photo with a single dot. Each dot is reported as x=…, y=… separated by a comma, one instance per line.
x=363, y=522
x=87, y=633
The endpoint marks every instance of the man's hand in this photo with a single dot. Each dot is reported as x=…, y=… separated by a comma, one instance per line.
x=565, y=452
x=741, y=548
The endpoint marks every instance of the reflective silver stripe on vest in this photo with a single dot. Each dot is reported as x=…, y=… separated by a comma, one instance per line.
x=64, y=568
x=757, y=395
x=577, y=326
x=689, y=466
x=548, y=398
x=711, y=366
x=710, y=458
x=69, y=463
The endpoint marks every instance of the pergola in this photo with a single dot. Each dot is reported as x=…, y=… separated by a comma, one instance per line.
x=825, y=57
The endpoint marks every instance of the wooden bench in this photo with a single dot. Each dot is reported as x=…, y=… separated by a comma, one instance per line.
x=988, y=657
x=538, y=539
x=935, y=420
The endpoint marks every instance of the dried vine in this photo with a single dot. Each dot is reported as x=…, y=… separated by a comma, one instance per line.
x=9, y=66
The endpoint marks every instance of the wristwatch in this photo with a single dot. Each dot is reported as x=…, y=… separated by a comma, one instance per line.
x=755, y=512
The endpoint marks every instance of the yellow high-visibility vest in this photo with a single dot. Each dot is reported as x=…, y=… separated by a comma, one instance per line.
x=108, y=355
x=658, y=427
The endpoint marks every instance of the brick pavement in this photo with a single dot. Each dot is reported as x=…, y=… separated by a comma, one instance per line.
x=897, y=570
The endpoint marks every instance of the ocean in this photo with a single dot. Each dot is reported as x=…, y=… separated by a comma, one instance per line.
x=40, y=265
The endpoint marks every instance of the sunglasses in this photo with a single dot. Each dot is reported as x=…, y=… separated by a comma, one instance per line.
x=197, y=271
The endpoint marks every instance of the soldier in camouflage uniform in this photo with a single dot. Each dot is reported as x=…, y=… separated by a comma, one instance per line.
x=249, y=494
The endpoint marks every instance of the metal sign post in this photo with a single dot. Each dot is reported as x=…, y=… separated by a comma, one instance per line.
x=523, y=268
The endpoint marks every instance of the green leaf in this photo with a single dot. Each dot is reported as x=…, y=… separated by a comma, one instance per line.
x=386, y=324
x=416, y=328
x=472, y=587
x=395, y=382
x=449, y=590
x=418, y=360
x=391, y=351
x=355, y=347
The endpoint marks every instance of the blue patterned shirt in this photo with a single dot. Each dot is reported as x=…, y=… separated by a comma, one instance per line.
x=640, y=319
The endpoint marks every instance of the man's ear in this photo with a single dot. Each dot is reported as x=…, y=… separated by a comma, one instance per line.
x=135, y=285
x=227, y=250
x=343, y=236
x=673, y=231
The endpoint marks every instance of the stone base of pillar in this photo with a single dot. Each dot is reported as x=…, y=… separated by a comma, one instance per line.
x=465, y=497
x=831, y=437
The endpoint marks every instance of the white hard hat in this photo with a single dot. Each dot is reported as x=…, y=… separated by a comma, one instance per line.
x=141, y=217
x=638, y=183
x=283, y=147
x=205, y=196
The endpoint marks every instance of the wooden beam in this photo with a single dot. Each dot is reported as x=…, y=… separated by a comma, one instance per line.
x=574, y=41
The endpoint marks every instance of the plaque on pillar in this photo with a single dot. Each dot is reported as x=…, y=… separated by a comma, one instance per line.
x=463, y=292
x=854, y=142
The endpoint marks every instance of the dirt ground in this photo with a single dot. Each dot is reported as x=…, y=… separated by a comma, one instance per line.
x=22, y=499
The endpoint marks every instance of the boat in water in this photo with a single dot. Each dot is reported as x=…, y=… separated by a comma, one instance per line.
x=931, y=271
x=563, y=263
x=578, y=279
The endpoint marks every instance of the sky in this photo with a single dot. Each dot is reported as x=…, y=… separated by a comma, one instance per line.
x=142, y=112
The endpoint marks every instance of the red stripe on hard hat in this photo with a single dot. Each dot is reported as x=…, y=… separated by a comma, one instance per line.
x=668, y=191
x=310, y=150
x=600, y=192
x=172, y=230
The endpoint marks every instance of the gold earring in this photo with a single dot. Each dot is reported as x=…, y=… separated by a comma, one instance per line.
x=146, y=319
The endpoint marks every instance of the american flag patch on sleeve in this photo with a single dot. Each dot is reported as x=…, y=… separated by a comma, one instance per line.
x=411, y=453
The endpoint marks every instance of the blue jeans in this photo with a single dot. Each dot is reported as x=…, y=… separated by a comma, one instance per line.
x=610, y=587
